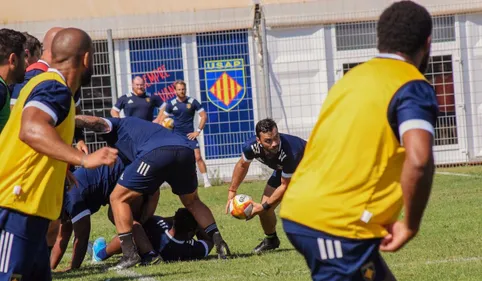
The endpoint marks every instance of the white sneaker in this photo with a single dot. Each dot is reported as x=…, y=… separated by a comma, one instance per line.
x=207, y=184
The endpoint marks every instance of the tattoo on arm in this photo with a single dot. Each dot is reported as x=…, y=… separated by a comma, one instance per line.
x=92, y=123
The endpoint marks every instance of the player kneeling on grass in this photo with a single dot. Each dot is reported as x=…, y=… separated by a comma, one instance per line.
x=91, y=192
x=171, y=237
x=280, y=152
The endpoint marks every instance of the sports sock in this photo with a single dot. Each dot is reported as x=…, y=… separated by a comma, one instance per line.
x=211, y=229
x=272, y=235
x=205, y=177
x=127, y=244
x=102, y=254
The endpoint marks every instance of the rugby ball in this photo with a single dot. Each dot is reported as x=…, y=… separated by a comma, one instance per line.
x=168, y=123
x=240, y=206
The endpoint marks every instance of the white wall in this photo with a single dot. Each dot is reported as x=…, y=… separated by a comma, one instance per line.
x=298, y=77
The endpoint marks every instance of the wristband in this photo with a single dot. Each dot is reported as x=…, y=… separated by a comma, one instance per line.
x=266, y=206
x=198, y=130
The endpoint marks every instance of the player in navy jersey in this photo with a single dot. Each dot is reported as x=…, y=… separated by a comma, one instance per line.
x=156, y=155
x=182, y=109
x=137, y=103
x=33, y=49
x=92, y=191
x=41, y=65
x=280, y=152
x=171, y=237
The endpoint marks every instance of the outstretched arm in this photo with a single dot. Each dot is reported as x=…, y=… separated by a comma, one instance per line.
x=93, y=123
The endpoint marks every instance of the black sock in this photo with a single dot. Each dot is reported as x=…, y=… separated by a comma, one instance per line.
x=127, y=244
x=211, y=229
x=272, y=235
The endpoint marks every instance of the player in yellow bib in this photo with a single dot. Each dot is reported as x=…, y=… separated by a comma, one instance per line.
x=36, y=148
x=369, y=155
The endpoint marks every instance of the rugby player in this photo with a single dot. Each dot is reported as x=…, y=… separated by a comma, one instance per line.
x=280, y=152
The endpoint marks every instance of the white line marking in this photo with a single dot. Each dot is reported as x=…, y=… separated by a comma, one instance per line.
x=428, y=262
x=138, y=276
x=456, y=174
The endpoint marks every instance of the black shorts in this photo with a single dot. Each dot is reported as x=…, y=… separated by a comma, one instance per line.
x=175, y=165
x=275, y=179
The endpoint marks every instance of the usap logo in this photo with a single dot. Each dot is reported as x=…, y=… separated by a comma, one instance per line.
x=225, y=82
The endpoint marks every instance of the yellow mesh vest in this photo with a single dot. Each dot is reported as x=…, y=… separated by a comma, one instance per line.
x=30, y=182
x=348, y=183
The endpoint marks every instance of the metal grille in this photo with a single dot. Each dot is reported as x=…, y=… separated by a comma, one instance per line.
x=441, y=76
x=241, y=76
x=226, y=92
x=363, y=35
x=96, y=98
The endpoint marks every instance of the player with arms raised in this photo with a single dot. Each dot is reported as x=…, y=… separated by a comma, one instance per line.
x=369, y=155
x=280, y=152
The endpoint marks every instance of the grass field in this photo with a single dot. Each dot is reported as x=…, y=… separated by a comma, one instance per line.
x=449, y=246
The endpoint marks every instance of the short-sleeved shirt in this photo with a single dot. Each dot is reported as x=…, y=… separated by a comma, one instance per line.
x=138, y=106
x=134, y=137
x=93, y=190
x=183, y=113
x=170, y=248
x=32, y=71
x=287, y=159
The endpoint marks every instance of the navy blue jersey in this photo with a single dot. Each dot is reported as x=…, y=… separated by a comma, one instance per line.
x=183, y=114
x=53, y=98
x=413, y=106
x=93, y=191
x=138, y=106
x=17, y=87
x=135, y=137
x=287, y=159
x=171, y=249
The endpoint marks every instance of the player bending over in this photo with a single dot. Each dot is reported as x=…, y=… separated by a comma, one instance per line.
x=280, y=152
x=81, y=202
x=157, y=155
x=171, y=237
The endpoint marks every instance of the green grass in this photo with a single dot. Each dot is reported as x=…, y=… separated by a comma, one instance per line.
x=448, y=247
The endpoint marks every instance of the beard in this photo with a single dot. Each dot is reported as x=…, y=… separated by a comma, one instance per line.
x=424, y=64
x=86, y=77
x=19, y=73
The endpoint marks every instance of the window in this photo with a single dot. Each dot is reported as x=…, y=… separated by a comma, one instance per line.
x=363, y=35
x=348, y=66
x=96, y=98
x=440, y=75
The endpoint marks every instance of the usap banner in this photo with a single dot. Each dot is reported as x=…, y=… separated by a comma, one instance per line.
x=226, y=93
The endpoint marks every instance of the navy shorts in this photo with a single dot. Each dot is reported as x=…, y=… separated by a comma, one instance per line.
x=23, y=248
x=275, y=179
x=193, y=144
x=175, y=165
x=332, y=258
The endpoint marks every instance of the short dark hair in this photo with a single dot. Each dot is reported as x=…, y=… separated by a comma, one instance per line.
x=265, y=126
x=11, y=41
x=403, y=27
x=184, y=221
x=32, y=43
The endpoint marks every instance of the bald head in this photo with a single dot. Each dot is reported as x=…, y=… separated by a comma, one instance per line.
x=138, y=86
x=49, y=37
x=71, y=44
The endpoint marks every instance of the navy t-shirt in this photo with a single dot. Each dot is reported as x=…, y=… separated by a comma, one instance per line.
x=138, y=106
x=171, y=249
x=287, y=159
x=183, y=114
